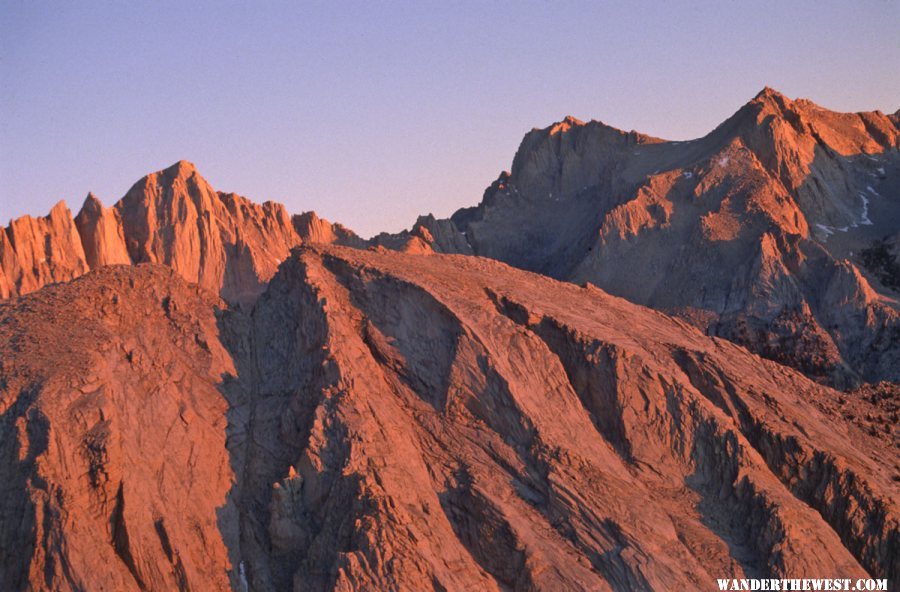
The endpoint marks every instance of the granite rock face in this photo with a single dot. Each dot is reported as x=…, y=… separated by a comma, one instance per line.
x=102, y=234
x=221, y=241
x=198, y=392
x=399, y=421
x=39, y=251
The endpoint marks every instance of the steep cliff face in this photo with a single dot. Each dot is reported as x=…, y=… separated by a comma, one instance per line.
x=221, y=241
x=389, y=421
x=39, y=251
x=102, y=234
x=754, y=232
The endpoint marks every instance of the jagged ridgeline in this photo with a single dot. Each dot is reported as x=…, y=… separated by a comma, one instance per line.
x=556, y=389
x=765, y=232
x=221, y=241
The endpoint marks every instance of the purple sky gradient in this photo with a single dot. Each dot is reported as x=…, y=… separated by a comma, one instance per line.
x=373, y=113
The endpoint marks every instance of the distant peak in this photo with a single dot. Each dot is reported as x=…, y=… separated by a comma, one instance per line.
x=770, y=98
x=182, y=168
x=768, y=92
x=59, y=208
x=565, y=125
x=91, y=204
x=309, y=217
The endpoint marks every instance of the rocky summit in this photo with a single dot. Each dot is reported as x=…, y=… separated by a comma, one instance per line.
x=616, y=372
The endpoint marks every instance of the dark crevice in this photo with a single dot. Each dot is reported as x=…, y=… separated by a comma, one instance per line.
x=172, y=555
x=120, y=540
x=485, y=533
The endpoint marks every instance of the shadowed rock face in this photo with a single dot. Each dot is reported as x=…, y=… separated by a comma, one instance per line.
x=399, y=421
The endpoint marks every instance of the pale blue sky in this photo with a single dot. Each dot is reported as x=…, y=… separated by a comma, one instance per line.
x=373, y=112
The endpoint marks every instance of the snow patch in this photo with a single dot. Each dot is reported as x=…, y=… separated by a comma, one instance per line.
x=723, y=161
x=687, y=174
x=872, y=191
x=826, y=229
x=242, y=574
x=865, y=212
x=881, y=171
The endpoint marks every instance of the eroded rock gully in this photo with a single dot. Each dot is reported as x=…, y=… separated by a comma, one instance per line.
x=390, y=421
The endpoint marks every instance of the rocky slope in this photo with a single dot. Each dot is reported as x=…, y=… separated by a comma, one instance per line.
x=114, y=473
x=754, y=232
x=405, y=421
x=222, y=241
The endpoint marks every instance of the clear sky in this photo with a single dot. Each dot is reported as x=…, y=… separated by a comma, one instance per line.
x=371, y=113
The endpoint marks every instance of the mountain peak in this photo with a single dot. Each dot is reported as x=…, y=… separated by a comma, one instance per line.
x=91, y=203
x=182, y=168
x=60, y=209
x=769, y=92
x=91, y=208
x=769, y=98
x=567, y=123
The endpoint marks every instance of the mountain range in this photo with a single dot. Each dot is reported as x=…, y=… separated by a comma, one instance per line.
x=779, y=230
x=618, y=371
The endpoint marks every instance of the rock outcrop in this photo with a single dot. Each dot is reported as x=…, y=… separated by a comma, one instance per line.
x=39, y=251
x=754, y=232
x=406, y=422
x=102, y=234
